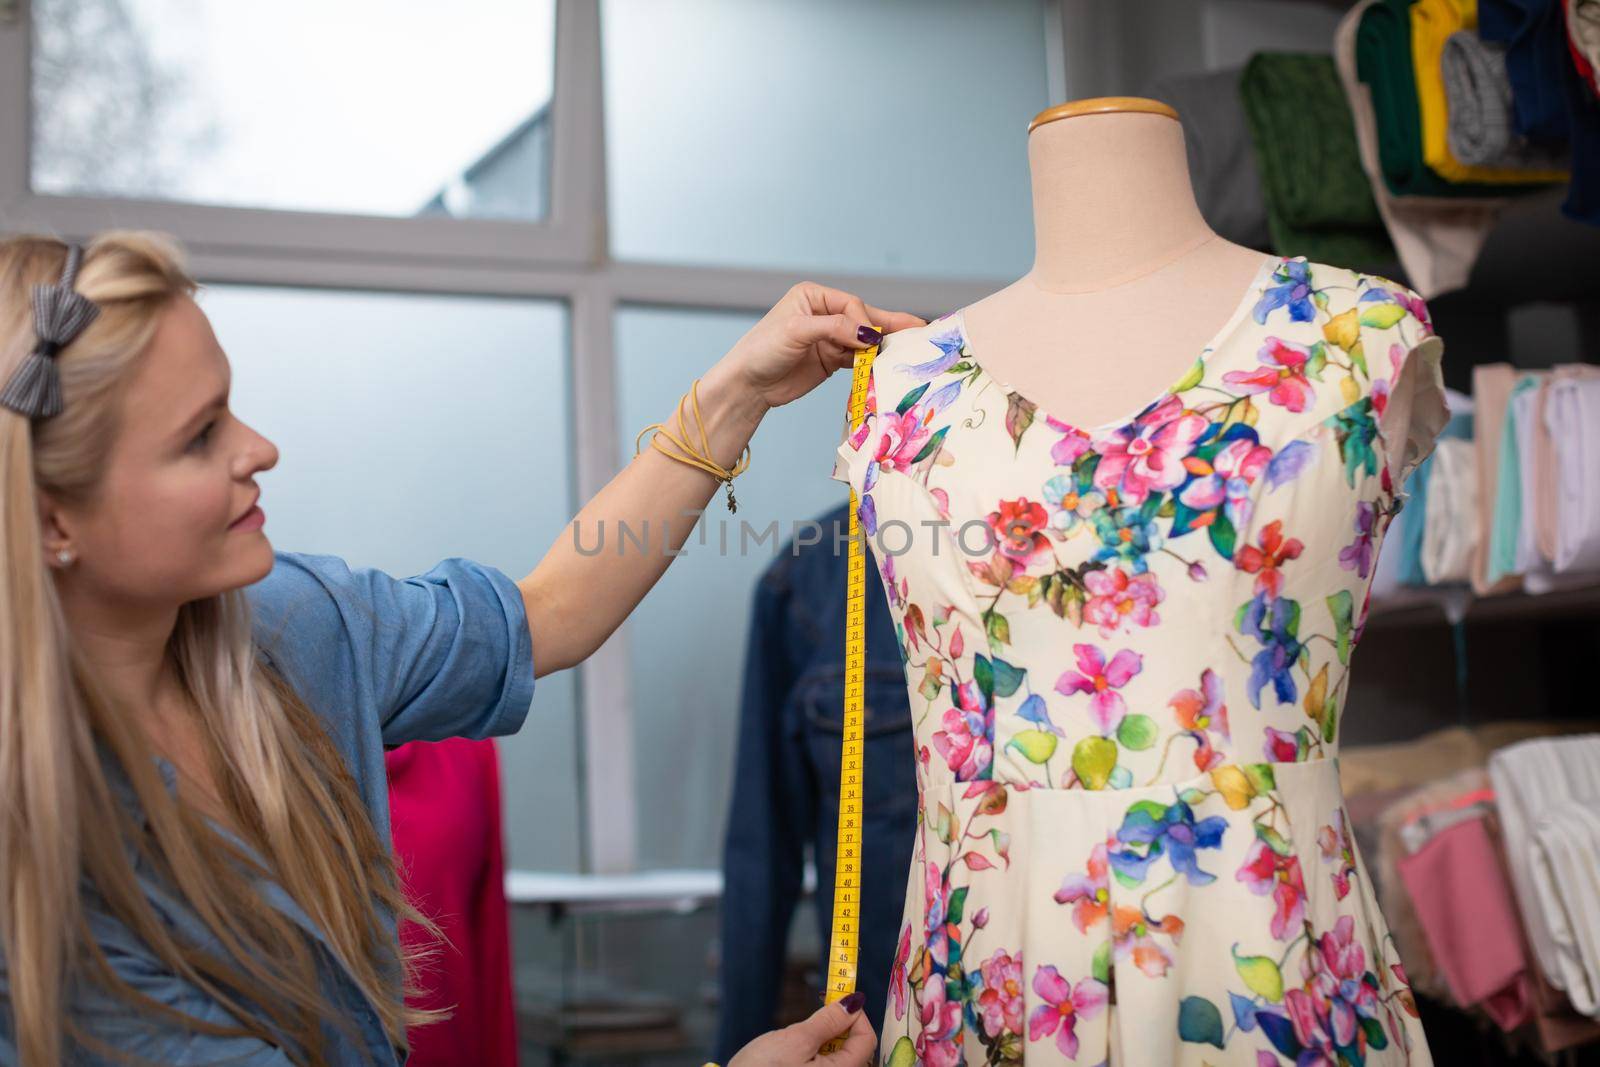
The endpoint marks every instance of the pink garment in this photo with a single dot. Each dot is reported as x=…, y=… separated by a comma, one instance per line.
x=444, y=812
x=1472, y=925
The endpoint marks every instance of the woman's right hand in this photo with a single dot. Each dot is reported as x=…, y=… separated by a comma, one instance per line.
x=801, y=1043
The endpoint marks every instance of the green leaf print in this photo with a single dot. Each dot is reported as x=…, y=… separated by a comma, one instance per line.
x=958, y=905
x=1197, y=372
x=1200, y=1021
x=1092, y=761
x=1006, y=677
x=1036, y=746
x=1100, y=967
x=1341, y=607
x=1261, y=974
x=1137, y=732
x=932, y=446
x=999, y=630
x=911, y=398
x=904, y=1054
x=1382, y=315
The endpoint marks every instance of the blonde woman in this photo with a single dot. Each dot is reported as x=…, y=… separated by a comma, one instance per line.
x=194, y=849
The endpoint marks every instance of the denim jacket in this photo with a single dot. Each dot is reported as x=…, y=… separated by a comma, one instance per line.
x=381, y=661
x=786, y=783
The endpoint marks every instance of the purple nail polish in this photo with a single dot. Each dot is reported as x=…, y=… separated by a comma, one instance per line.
x=868, y=336
x=853, y=1002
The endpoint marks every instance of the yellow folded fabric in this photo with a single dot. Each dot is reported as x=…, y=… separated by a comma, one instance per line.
x=1431, y=22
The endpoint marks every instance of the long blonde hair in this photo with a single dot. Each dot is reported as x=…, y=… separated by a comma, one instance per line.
x=63, y=825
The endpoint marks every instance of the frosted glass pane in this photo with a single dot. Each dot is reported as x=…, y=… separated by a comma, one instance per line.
x=412, y=428
x=824, y=134
x=686, y=640
x=363, y=106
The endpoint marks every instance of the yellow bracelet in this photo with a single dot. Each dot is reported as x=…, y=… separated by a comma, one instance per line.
x=702, y=458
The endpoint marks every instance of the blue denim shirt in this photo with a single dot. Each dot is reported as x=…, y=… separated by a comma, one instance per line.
x=786, y=784
x=383, y=661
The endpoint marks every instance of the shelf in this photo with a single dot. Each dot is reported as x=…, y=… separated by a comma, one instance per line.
x=1409, y=606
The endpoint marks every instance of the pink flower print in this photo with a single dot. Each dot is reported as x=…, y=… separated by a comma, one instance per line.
x=1224, y=482
x=1357, y=555
x=1118, y=602
x=1338, y=991
x=869, y=411
x=1382, y=386
x=901, y=437
x=1074, y=443
x=1063, y=1004
x=1201, y=712
x=1000, y=1005
x=1019, y=528
x=1334, y=840
x=939, y=1043
x=1282, y=376
x=1282, y=746
x=1088, y=893
x=1266, y=871
x=897, y=974
x=1309, y=1030
x=1133, y=935
x=1266, y=560
x=966, y=742
x=1147, y=455
x=1102, y=679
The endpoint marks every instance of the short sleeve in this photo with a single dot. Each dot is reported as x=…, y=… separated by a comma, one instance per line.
x=1418, y=408
x=441, y=654
x=841, y=468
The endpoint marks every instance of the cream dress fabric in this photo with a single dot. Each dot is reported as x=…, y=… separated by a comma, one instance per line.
x=1127, y=648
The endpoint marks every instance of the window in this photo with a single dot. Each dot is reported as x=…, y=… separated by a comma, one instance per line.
x=884, y=138
x=686, y=678
x=411, y=428
x=360, y=107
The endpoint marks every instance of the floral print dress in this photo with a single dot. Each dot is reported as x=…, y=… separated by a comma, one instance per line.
x=1127, y=649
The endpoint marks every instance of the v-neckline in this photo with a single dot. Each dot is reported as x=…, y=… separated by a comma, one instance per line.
x=1264, y=271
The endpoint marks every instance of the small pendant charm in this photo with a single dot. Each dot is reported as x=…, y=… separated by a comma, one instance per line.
x=732, y=504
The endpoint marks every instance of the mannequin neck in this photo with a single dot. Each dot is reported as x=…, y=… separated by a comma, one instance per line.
x=1111, y=200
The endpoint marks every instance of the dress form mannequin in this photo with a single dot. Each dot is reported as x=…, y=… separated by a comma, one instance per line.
x=1119, y=242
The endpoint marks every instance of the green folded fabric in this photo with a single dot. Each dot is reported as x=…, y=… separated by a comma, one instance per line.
x=1384, y=63
x=1319, y=202
x=1508, y=501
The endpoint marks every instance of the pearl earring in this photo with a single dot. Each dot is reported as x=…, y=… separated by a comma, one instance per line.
x=64, y=557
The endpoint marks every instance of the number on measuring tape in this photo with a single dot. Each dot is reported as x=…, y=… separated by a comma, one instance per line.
x=842, y=946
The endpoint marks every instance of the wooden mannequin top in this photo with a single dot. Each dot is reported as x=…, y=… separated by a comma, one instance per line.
x=1128, y=280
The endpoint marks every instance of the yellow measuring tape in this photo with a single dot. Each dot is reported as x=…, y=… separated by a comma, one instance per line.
x=842, y=947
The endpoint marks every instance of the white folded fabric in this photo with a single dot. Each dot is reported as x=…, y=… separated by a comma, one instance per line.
x=1572, y=415
x=1547, y=790
x=1452, y=512
x=1566, y=877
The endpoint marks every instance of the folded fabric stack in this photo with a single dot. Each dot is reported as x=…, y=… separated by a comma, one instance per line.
x=1318, y=202
x=1487, y=847
x=1459, y=106
x=1549, y=802
x=1538, y=520
x=1510, y=497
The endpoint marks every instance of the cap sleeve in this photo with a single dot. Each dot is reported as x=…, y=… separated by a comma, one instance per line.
x=1416, y=408
x=437, y=655
x=841, y=455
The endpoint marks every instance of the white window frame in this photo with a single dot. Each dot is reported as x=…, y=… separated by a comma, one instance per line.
x=563, y=257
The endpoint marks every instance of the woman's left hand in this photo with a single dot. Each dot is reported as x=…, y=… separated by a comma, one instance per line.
x=810, y=333
x=800, y=1045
